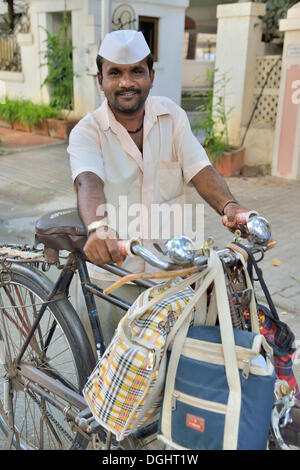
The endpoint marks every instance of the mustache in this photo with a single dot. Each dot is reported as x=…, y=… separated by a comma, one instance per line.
x=127, y=90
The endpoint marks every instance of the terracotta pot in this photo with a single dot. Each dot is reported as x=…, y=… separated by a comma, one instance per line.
x=41, y=128
x=231, y=163
x=19, y=126
x=6, y=124
x=60, y=129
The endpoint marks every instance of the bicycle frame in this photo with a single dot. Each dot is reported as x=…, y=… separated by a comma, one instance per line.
x=77, y=261
x=30, y=376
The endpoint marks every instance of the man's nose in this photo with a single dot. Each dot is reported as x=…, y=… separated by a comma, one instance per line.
x=125, y=81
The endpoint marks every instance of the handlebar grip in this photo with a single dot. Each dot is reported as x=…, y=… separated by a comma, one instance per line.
x=125, y=247
x=241, y=217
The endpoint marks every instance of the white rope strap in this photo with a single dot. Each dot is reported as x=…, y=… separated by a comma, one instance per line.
x=216, y=274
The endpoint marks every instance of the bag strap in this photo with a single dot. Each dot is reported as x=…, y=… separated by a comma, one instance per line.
x=185, y=316
x=144, y=304
x=180, y=329
x=252, y=306
x=212, y=309
x=231, y=364
x=216, y=273
x=253, y=264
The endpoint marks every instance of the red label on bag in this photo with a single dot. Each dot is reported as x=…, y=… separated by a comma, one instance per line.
x=194, y=422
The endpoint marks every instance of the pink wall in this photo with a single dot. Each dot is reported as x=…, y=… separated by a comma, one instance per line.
x=289, y=122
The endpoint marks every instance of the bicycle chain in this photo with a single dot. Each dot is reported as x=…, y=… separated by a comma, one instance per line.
x=51, y=417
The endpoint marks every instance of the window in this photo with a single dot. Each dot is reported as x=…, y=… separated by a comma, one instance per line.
x=149, y=27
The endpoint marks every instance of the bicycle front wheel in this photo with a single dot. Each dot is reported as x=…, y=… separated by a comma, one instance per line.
x=59, y=348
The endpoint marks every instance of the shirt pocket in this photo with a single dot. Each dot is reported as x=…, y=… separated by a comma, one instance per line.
x=170, y=180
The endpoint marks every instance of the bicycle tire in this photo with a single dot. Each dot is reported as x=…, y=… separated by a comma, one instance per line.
x=23, y=284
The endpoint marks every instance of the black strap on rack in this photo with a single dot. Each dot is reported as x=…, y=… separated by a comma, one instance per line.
x=284, y=336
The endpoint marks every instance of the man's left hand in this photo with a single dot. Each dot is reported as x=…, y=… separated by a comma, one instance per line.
x=229, y=218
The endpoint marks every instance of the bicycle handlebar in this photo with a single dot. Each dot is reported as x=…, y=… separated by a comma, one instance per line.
x=260, y=230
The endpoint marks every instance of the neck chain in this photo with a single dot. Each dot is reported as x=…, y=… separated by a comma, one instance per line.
x=137, y=130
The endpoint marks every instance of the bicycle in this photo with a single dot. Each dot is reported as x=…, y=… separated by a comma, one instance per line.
x=45, y=354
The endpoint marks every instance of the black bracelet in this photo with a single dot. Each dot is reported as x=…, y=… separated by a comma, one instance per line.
x=227, y=203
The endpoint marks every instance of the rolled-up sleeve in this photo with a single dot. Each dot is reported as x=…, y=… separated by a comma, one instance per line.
x=191, y=154
x=84, y=150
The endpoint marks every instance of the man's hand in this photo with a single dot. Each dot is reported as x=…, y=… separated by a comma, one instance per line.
x=102, y=245
x=103, y=250
x=229, y=218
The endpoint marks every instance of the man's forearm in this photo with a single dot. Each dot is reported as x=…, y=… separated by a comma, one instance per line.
x=90, y=197
x=212, y=187
x=91, y=205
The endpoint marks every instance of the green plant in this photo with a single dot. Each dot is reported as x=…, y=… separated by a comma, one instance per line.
x=9, y=110
x=60, y=68
x=33, y=114
x=26, y=112
x=213, y=117
x=275, y=11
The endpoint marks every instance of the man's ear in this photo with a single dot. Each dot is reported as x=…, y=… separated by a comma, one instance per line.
x=100, y=79
x=152, y=74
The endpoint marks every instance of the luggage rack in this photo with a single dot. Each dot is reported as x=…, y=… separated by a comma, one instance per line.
x=13, y=253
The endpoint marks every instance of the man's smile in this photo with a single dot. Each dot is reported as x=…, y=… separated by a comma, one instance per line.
x=128, y=93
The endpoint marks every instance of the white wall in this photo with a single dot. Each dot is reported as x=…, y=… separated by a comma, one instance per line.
x=168, y=69
x=86, y=38
x=194, y=73
x=238, y=44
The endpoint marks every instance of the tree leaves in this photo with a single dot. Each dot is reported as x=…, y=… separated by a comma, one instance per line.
x=275, y=11
x=60, y=69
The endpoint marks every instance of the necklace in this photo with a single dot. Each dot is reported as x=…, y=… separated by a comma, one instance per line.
x=137, y=130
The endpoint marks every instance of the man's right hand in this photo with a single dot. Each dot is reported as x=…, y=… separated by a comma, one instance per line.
x=103, y=251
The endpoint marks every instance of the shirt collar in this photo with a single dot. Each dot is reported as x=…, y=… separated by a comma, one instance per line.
x=106, y=118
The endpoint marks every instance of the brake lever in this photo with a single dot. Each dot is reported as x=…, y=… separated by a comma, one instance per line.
x=158, y=248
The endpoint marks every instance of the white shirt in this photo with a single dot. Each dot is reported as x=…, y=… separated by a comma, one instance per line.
x=171, y=157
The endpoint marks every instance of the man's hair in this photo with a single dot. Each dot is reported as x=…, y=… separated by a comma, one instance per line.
x=99, y=62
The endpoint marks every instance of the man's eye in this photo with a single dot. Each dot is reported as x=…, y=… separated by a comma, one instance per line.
x=113, y=72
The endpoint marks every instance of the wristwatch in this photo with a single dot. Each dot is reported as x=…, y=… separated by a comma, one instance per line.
x=93, y=226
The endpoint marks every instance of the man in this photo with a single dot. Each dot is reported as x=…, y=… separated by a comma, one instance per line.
x=124, y=133
x=138, y=147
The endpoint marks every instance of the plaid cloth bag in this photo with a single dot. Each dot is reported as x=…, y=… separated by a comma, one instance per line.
x=125, y=389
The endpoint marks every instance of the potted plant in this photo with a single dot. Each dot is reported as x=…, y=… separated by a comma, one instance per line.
x=9, y=111
x=213, y=123
x=60, y=80
x=26, y=116
x=41, y=115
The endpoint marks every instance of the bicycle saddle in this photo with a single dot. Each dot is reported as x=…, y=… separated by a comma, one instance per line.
x=61, y=230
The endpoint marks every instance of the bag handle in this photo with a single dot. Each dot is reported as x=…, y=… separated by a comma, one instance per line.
x=181, y=326
x=145, y=304
x=231, y=365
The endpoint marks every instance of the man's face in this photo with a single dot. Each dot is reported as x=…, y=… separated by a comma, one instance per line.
x=126, y=87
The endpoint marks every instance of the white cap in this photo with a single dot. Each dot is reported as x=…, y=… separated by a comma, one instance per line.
x=125, y=46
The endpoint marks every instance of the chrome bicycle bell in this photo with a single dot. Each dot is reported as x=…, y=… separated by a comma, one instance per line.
x=180, y=249
x=259, y=229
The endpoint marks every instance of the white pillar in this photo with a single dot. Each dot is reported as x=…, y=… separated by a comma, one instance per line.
x=286, y=160
x=238, y=43
x=105, y=17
